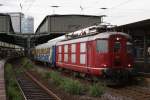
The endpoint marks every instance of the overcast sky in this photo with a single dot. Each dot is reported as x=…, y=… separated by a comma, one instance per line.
x=118, y=11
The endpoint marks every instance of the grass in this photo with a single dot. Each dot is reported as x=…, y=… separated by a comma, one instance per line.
x=72, y=86
x=67, y=84
x=56, y=78
x=26, y=63
x=12, y=90
x=47, y=75
x=29, y=66
x=96, y=89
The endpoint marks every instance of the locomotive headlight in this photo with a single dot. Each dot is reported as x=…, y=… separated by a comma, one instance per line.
x=117, y=38
x=104, y=65
x=129, y=65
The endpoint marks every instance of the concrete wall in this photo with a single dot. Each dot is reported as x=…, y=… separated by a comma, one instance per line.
x=4, y=24
x=44, y=27
x=16, y=19
x=67, y=23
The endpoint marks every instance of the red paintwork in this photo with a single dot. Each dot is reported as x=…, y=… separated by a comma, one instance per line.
x=96, y=60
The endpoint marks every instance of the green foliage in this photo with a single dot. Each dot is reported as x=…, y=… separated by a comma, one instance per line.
x=72, y=86
x=96, y=89
x=13, y=93
x=69, y=85
x=19, y=71
x=29, y=65
x=56, y=78
x=47, y=75
x=12, y=89
x=8, y=70
x=26, y=63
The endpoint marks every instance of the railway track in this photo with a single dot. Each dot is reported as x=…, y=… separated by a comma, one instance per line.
x=33, y=89
x=131, y=92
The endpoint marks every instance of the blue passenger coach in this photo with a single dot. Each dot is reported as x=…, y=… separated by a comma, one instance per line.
x=47, y=52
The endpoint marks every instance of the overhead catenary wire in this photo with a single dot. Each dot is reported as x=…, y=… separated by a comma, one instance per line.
x=22, y=3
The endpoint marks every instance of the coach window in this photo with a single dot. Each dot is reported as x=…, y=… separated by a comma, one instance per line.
x=59, y=49
x=73, y=53
x=102, y=46
x=66, y=53
x=82, y=53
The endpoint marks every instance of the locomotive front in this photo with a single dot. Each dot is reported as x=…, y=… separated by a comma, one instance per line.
x=115, y=55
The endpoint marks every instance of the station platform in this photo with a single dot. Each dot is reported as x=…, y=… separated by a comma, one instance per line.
x=2, y=81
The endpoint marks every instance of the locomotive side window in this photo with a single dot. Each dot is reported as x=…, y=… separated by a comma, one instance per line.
x=102, y=46
x=66, y=48
x=73, y=51
x=117, y=46
x=60, y=53
x=65, y=57
x=82, y=47
x=82, y=53
x=66, y=53
x=73, y=58
x=82, y=58
x=73, y=48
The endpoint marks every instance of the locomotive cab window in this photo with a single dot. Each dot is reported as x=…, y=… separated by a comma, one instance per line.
x=117, y=46
x=102, y=46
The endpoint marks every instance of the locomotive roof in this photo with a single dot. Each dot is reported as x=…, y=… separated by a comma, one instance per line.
x=108, y=34
x=104, y=35
x=59, y=40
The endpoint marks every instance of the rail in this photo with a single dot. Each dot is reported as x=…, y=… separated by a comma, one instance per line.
x=32, y=89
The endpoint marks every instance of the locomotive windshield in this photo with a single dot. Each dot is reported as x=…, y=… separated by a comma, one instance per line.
x=117, y=46
x=102, y=46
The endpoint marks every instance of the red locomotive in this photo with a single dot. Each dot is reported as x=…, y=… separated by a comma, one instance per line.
x=93, y=51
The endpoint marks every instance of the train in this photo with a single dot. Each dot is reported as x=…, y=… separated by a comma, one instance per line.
x=10, y=50
x=95, y=51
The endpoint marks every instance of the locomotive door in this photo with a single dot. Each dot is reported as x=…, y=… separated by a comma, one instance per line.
x=118, y=52
x=89, y=54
